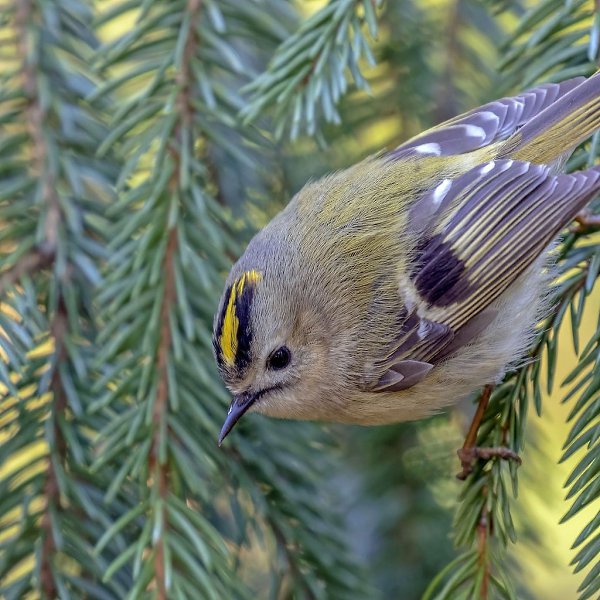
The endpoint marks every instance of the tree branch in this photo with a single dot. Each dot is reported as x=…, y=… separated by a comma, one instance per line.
x=159, y=413
x=34, y=116
x=471, y=437
x=58, y=330
x=160, y=469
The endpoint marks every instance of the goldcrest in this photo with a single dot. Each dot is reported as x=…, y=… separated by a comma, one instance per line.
x=394, y=288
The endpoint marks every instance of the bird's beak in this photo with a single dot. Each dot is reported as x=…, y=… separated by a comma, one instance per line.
x=239, y=405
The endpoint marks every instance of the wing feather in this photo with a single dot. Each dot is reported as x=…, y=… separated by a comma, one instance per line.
x=485, y=125
x=485, y=228
x=501, y=223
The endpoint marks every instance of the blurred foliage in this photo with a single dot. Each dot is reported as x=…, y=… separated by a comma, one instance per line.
x=141, y=143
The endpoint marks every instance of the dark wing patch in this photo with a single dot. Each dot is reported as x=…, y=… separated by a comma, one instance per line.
x=244, y=333
x=489, y=123
x=437, y=269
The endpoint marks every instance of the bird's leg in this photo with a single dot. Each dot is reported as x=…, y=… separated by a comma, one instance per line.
x=469, y=452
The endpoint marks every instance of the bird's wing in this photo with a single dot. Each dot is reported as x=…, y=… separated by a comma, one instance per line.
x=478, y=233
x=485, y=125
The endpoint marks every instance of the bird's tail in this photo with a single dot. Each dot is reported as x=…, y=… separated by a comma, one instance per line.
x=558, y=129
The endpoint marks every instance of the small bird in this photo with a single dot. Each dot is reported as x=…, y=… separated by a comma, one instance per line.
x=394, y=288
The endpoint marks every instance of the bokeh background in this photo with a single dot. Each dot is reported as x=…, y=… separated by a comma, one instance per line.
x=100, y=488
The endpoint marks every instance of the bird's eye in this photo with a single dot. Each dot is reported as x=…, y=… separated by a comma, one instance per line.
x=280, y=359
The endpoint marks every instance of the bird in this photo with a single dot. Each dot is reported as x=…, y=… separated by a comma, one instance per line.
x=392, y=289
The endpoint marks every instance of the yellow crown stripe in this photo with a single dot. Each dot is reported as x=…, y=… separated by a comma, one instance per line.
x=231, y=323
x=228, y=341
x=253, y=276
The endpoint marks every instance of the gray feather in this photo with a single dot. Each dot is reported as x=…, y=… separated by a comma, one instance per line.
x=402, y=375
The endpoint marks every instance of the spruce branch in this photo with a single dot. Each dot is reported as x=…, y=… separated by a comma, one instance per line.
x=583, y=438
x=159, y=413
x=34, y=117
x=486, y=497
x=561, y=43
x=157, y=464
x=170, y=213
x=58, y=458
x=51, y=193
x=307, y=75
x=158, y=395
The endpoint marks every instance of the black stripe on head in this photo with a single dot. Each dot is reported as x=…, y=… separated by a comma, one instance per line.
x=243, y=304
x=232, y=337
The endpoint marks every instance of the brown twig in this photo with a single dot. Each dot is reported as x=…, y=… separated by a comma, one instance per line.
x=585, y=221
x=466, y=460
x=58, y=331
x=159, y=413
x=469, y=455
x=34, y=117
x=484, y=400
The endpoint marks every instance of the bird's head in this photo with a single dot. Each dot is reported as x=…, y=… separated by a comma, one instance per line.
x=272, y=344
